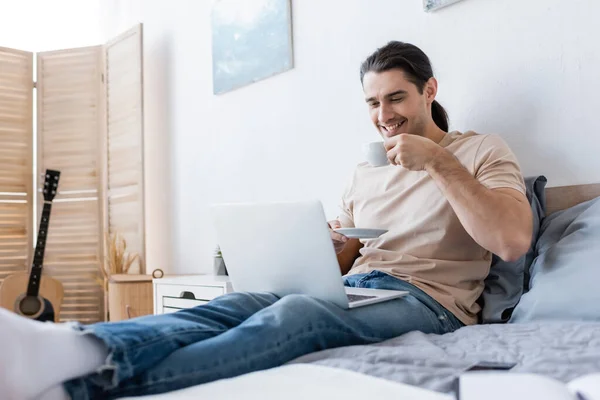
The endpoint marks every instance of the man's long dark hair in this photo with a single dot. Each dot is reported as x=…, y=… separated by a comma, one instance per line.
x=416, y=66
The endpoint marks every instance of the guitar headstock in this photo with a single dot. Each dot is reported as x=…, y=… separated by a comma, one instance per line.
x=51, y=184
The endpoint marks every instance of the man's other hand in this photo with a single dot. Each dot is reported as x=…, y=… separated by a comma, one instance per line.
x=339, y=240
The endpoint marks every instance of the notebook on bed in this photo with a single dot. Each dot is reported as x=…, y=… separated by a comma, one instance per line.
x=517, y=386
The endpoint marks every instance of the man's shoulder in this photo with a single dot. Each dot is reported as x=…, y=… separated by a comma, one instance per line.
x=470, y=136
x=475, y=140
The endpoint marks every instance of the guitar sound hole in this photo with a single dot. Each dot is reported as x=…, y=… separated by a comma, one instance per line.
x=30, y=305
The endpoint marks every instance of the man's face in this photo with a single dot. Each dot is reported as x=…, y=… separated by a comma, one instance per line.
x=395, y=104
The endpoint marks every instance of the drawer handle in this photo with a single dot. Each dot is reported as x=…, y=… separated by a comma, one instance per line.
x=187, y=295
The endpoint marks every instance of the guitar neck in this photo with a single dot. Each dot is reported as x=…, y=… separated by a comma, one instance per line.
x=33, y=287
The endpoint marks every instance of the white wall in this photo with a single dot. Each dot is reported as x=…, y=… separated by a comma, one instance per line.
x=42, y=25
x=527, y=70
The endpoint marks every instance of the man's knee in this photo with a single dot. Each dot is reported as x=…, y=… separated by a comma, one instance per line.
x=238, y=296
x=297, y=301
x=264, y=299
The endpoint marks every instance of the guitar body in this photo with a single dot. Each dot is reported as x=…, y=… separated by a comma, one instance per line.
x=44, y=307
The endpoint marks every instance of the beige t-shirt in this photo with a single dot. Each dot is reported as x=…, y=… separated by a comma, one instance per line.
x=426, y=244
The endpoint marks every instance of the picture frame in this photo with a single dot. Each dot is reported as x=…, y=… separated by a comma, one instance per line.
x=433, y=5
x=251, y=41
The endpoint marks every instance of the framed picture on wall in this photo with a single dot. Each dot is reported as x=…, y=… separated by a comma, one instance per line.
x=251, y=41
x=432, y=5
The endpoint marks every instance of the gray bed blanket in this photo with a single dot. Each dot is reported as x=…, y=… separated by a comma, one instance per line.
x=561, y=350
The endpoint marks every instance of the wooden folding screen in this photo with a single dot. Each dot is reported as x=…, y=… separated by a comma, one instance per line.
x=90, y=127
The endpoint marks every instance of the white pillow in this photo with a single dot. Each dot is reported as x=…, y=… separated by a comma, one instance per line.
x=565, y=274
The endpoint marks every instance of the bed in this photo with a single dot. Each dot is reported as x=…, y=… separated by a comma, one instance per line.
x=563, y=347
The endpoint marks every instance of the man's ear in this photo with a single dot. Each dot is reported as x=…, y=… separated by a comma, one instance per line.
x=430, y=91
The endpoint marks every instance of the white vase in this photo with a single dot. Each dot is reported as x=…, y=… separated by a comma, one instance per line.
x=219, y=266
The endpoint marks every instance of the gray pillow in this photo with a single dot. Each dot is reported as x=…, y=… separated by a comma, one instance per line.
x=506, y=281
x=566, y=272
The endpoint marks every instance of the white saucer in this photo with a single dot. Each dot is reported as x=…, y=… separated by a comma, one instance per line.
x=361, y=233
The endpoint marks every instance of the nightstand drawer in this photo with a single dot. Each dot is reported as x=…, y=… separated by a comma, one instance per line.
x=175, y=302
x=190, y=292
x=172, y=294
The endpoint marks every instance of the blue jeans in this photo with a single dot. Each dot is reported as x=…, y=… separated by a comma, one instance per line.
x=239, y=333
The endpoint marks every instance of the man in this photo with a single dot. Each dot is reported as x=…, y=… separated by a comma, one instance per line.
x=449, y=200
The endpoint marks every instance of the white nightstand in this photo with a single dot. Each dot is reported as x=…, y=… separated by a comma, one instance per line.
x=185, y=291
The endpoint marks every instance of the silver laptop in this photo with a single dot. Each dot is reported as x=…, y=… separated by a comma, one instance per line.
x=285, y=248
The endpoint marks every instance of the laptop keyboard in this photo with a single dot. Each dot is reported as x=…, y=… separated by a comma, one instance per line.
x=357, y=297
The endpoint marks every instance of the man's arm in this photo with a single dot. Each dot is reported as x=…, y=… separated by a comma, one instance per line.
x=349, y=254
x=499, y=220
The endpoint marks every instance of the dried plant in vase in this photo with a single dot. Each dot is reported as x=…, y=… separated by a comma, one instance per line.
x=117, y=260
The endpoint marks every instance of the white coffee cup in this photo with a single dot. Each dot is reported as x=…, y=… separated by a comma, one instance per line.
x=375, y=154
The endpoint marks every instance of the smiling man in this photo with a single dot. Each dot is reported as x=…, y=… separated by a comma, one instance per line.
x=448, y=201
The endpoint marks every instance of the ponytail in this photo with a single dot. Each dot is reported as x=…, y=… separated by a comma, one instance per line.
x=439, y=115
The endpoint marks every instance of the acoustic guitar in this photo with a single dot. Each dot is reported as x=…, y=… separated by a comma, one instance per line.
x=32, y=294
